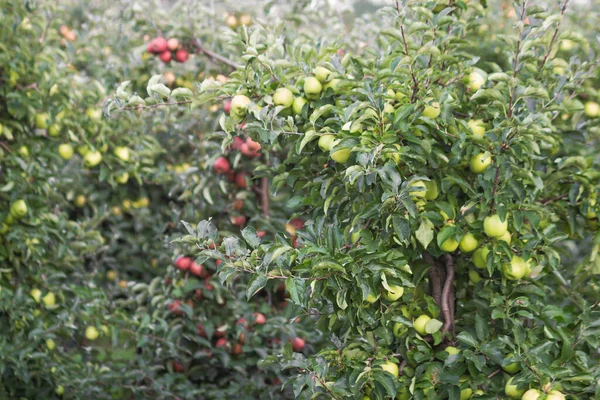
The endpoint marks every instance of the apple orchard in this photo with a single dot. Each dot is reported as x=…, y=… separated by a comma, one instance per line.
x=285, y=200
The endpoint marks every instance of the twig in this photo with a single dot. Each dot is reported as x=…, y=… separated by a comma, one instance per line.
x=562, y=13
x=140, y=107
x=264, y=195
x=324, y=386
x=448, y=287
x=495, y=188
x=214, y=56
x=516, y=64
x=550, y=200
x=415, y=87
x=496, y=372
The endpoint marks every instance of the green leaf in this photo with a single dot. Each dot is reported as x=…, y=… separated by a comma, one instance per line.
x=425, y=233
x=468, y=339
x=433, y=325
x=257, y=282
x=250, y=236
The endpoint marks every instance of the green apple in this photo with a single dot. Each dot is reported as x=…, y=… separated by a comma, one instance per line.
x=83, y=150
x=394, y=293
x=476, y=81
x=312, y=88
x=403, y=394
x=54, y=130
x=420, y=189
x=341, y=156
x=432, y=190
x=388, y=108
x=468, y=243
x=60, y=390
x=41, y=121
x=239, y=106
x=506, y=237
x=511, y=368
x=555, y=395
x=477, y=128
x=591, y=109
x=298, y=105
x=122, y=152
x=451, y=350
x=94, y=113
x=516, y=269
x=332, y=84
x=371, y=298
x=322, y=74
x=65, y=150
x=283, y=97
x=49, y=300
x=480, y=256
x=465, y=394
x=474, y=277
x=50, y=344
x=122, y=178
x=512, y=390
x=399, y=329
x=431, y=110
x=36, y=294
x=449, y=245
x=531, y=394
x=567, y=45
x=494, y=227
x=480, y=162
x=91, y=333
x=24, y=151
x=420, y=324
x=92, y=158
x=390, y=367
x=392, y=154
x=326, y=142
x=18, y=209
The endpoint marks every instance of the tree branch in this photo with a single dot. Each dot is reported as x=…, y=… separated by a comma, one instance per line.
x=516, y=64
x=264, y=196
x=447, y=295
x=214, y=56
x=562, y=13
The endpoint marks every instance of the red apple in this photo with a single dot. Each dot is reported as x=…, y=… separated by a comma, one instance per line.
x=297, y=223
x=252, y=145
x=240, y=180
x=178, y=367
x=157, y=45
x=182, y=56
x=259, y=319
x=297, y=344
x=239, y=220
x=175, y=307
x=238, y=204
x=227, y=106
x=237, y=143
x=196, y=269
x=222, y=165
x=237, y=349
x=222, y=342
x=183, y=263
x=165, y=57
x=261, y=234
x=201, y=331
x=218, y=262
x=198, y=294
x=208, y=286
x=172, y=44
x=220, y=331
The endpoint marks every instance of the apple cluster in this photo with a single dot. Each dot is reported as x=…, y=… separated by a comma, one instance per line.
x=165, y=48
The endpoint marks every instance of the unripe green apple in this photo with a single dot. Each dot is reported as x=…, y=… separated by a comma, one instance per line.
x=123, y=178
x=432, y=110
x=451, y=350
x=371, y=298
x=312, y=88
x=65, y=150
x=392, y=154
x=283, y=97
x=465, y=394
x=49, y=299
x=420, y=324
x=54, y=130
x=512, y=390
x=449, y=245
x=388, y=108
x=591, y=109
x=432, y=190
x=555, y=395
x=18, y=209
x=83, y=150
x=322, y=74
x=394, y=293
x=122, y=152
x=50, y=344
x=531, y=394
x=341, y=156
x=24, y=151
x=399, y=329
x=506, y=237
x=468, y=243
x=91, y=333
x=476, y=81
x=480, y=162
x=390, y=367
x=494, y=227
x=60, y=390
x=420, y=190
x=41, y=121
x=403, y=394
x=326, y=142
x=332, y=84
x=92, y=158
x=474, y=277
x=479, y=392
x=298, y=105
x=480, y=256
x=512, y=368
x=239, y=106
x=516, y=269
x=567, y=44
x=36, y=294
x=477, y=128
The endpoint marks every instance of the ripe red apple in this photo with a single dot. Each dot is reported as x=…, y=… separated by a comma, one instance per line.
x=238, y=204
x=237, y=349
x=172, y=44
x=297, y=223
x=242, y=321
x=175, y=307
x=182, y=56
x=240, y=180
x=252, y=145
x=218, y=262
x=227, y=107
x=238, y=220
x=198, y=294
x=157, y=45
x=196, y=269
x=222, y=342
x=178, y=367
x=208, y=286
x=201, y=331
x=259, y=319
x=261, y=234
x=222, y=165
x=297, y=344
x=183, y=263
x=165, y=57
